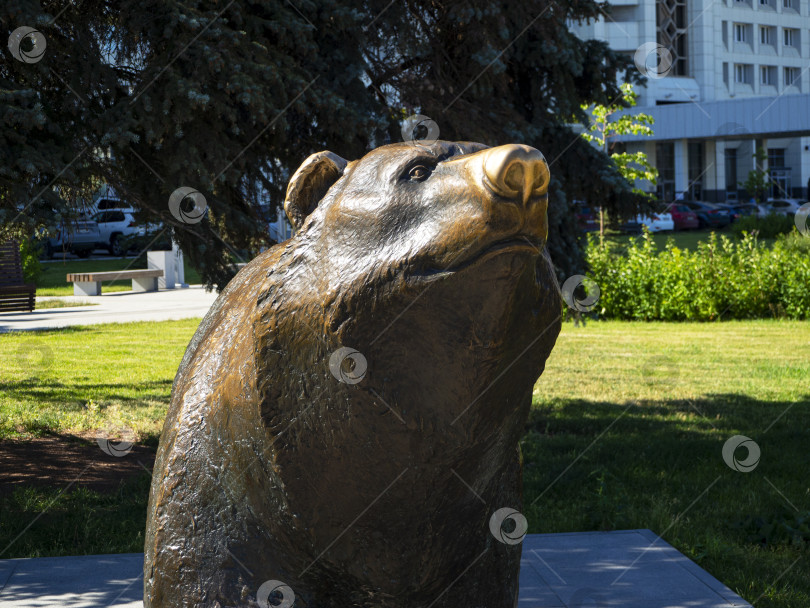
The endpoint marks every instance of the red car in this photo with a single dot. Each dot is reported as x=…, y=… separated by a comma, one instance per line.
x=683, y=217
x=587, y=218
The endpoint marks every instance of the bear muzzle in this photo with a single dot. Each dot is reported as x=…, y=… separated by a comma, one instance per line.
x=516, y=172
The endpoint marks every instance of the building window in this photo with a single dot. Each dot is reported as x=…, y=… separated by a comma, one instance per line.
x=766, y=3
x=622, y=13
x=665, y=163
x=725, y=72
x=791, y=4
x=776, y=158
x=695, y=169
x=778, y=173
x=767, y=35
x=767, y=75
x=742, y=73
x=792, y=77
x=791, y=37
x=672, y=25
x=740, y=32
x=731, y=172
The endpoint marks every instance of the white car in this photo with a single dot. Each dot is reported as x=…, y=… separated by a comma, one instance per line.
x=656, y=222
x=787, y=206
x=114, y=224
x=105, y=229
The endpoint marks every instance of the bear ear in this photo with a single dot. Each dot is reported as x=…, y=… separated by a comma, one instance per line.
x=309, y=183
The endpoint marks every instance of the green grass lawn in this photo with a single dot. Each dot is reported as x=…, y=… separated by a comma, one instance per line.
x=627, y=430
x=55, y=303
x=52, y=280
x=82, y=378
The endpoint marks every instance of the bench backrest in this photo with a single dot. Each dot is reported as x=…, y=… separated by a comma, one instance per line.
x=11, y=272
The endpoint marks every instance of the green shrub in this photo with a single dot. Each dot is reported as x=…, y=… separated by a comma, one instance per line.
x=767, y=227
x=29, y=256
x=794, y=242
x=722, y=279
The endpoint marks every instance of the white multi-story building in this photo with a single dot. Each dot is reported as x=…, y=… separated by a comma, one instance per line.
x=725, y=78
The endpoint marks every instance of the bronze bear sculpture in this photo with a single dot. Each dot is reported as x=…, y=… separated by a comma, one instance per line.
x=345, y=422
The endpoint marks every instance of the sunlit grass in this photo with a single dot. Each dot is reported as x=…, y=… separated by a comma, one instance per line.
x=57, y=303
x=82, y=378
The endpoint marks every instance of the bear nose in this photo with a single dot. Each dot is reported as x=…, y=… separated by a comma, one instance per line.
x=516, y=171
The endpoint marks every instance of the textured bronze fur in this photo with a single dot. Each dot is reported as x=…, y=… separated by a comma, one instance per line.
x=352, y=493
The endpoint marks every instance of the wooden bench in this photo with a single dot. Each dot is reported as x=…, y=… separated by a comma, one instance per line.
x=15, y=294
x=89, y=283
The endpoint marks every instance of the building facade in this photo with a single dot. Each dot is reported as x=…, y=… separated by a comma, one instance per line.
x=726, y=78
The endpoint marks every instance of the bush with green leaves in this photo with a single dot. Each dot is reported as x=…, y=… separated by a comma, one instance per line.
x=722, y=279
x=29, y=256
x=768, y=227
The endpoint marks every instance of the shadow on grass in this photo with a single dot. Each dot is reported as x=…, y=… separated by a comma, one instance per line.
x=74, y=394
x=39, y=522
x=591, y=466
x=639, y=454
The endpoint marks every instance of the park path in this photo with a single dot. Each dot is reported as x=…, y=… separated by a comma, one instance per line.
x=115, y=307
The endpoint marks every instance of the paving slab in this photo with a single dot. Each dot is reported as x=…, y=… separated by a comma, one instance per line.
x=115, y=307
x=627, y=569
x=86, y=581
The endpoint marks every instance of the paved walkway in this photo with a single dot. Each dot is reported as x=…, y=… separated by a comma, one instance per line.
x=623, y=569
x=115, y=307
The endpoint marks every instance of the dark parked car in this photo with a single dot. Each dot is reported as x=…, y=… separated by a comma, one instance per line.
x=683, y=217
x=587, y=217
x=738, y=210
x=709, y=216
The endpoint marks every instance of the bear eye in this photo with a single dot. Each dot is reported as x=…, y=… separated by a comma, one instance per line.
x=418, y=173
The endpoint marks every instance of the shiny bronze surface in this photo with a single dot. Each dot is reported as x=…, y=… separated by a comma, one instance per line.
x=346, y=419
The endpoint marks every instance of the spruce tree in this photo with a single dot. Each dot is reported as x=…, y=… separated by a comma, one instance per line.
x=228, y=97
